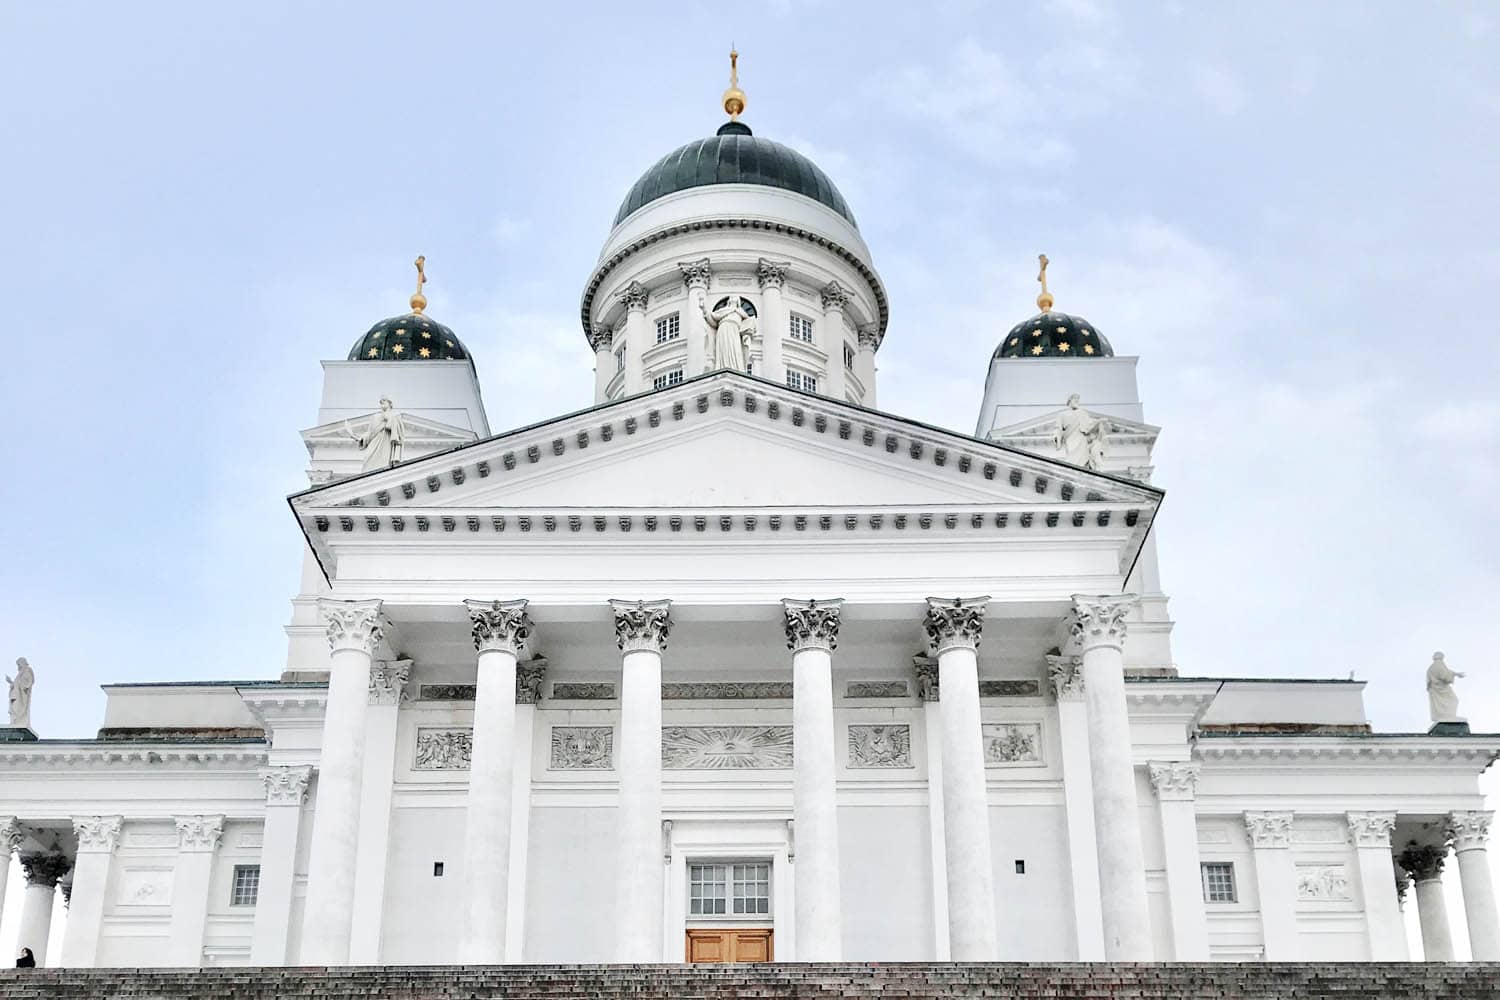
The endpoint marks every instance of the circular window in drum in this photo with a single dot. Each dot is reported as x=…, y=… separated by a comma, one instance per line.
x=745, y=304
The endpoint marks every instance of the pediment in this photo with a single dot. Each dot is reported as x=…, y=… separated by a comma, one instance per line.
x=422, y=432
x=1035, y=428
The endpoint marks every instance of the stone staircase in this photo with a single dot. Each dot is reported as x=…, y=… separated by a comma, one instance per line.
x=1020, y=981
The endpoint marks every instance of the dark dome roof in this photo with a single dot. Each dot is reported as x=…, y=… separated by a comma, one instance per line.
x=413, y=337
x=1054, y=335
x=734, y=156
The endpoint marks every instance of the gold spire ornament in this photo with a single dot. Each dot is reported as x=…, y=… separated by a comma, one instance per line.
x=734, y=97
x=418, y=300
x=1044, y=300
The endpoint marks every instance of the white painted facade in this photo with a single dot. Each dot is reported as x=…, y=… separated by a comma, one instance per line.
x=537, y=680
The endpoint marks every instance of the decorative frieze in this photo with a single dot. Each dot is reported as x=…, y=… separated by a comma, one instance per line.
x=286, y=786
x=97, y=834
x=880, y=746
x=502, y=626
x=1012, y=743
x=1013, y=688
x=696, y=273
x=351, y=624
x=726, y=690
x=1469, y=830
x=448, y=749
x=582, y=748
x=1066, y=673
x=927, y=677
x=1269, y=829
x=1323, y=883
x=642, y=625
x=771, y=273
x=953, y=623
x=447, y=692
x=1174, y=781
x=529, y=678
x=812, y=624
x=582, y=691
x=1099, y=621
x=726, y=747
x=388, y=681
x=877, y=689
x=199, y=833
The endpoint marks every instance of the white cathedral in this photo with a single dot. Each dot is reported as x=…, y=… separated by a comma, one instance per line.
x=736, y=666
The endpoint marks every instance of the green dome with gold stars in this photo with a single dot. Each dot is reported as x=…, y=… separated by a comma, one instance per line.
x=413, y=337
x=1053, y=334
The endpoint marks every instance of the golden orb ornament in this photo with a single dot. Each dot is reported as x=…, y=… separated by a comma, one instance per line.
x=418, y=300
x=734, y=97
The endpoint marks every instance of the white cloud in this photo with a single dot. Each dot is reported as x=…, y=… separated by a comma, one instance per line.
x=1218, y=88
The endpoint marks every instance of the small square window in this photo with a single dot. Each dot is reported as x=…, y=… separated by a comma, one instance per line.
x=801, y=328
x=437, y=869
x=665, y=379
x=801, y=380
x=667, y=328
x=1218, y=882
x=1020, y=866
x=246, y=888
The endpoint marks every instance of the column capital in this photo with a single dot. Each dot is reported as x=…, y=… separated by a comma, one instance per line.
x=529, y=676
x=600, y=337
x=771, y=273
x=45, y=867
x=1066, y=673
x=352, y=624
x=1174, y=781
x=1269, y=829
x=834, y=296
x=954, y=622
x=1423, y=862
x=388, y=681
x=10, y=838
x=812, y=624
x=199, y=833
x=1371, y=829
x=286, y=786
x=635, y=296
x=1469, y=830
x=97, y=834
x=642, y=624
x=868, y=335
x=499, y=625
x=1099, y=620
x=695, y=273
x=927, y=676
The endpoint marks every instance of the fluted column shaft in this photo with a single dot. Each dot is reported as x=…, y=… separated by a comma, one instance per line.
x=1097, y=626
x=1469, y=833
x=1370, y=836
x=773, y=320
x=695, y=275
x=354, y=629
x=43, y=872
x=286, y=794
x=1175, y=784
x=641, y=630
x=834, y=298
x=812, y=629
x=635, y=298
x=500, y=631
x=953, y=630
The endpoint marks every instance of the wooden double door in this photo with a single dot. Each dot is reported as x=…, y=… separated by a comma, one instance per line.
x=729, y=944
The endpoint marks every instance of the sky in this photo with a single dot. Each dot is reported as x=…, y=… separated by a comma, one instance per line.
x=1288, y=211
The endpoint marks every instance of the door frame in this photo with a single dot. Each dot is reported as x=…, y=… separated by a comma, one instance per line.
x=717, y=838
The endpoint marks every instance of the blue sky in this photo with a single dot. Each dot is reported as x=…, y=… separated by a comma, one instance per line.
x=1288, y=210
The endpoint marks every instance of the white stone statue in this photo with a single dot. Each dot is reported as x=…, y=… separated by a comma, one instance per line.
x=20, y=694
x=1080, y=436
x=730, y=328
x=1441, y=701
x=382, y=437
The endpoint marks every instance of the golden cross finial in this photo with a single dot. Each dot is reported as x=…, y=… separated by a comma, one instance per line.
x=734, y=97
x=1044, y=300
x=418, y=300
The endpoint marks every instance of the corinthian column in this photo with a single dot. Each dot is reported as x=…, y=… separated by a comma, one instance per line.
x=197, y=841
x=1469, y=832
x=1275, y=883
x=1175, y=784
x=641, y=629
x=864, y=361
x=635, y=297
x=812, y=632
x=354, y=629
x=953, y=629
x=835, y=296
x=43, y=871
x=500, y=630
x=1370, y=835
x=1425, y=865
x=1097, y=626
x=601, y=339
x=695, y=275
x=98, y=836
x=773, y=318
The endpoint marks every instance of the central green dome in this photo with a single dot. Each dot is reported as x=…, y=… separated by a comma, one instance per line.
x=734, y=156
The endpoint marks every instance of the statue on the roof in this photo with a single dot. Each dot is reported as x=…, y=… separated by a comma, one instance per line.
x=730, y=328
x=20, y=694
x=1080, y=436
x=381, y=438
x=1441, y=700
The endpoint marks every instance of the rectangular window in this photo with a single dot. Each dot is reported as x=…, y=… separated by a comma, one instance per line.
x=741, y=889
x=801, y=328
x=848, y=357
x=667, y=328
x=1218, y=882
x=708, y=890
x=620, y=360
x=673, y=377
x=801, y=380
x=246, y=888
x=752, y=888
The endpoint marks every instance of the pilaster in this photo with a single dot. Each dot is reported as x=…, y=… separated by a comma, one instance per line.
x=1275, y=882
x=1175, y=784
x=388, y=680
x=198, y=839
x=286, y=794
x=1370, y=836
x=1065, y=672
x=98, y=837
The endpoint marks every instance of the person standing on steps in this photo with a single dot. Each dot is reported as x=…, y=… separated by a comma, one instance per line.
x=27, y=960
